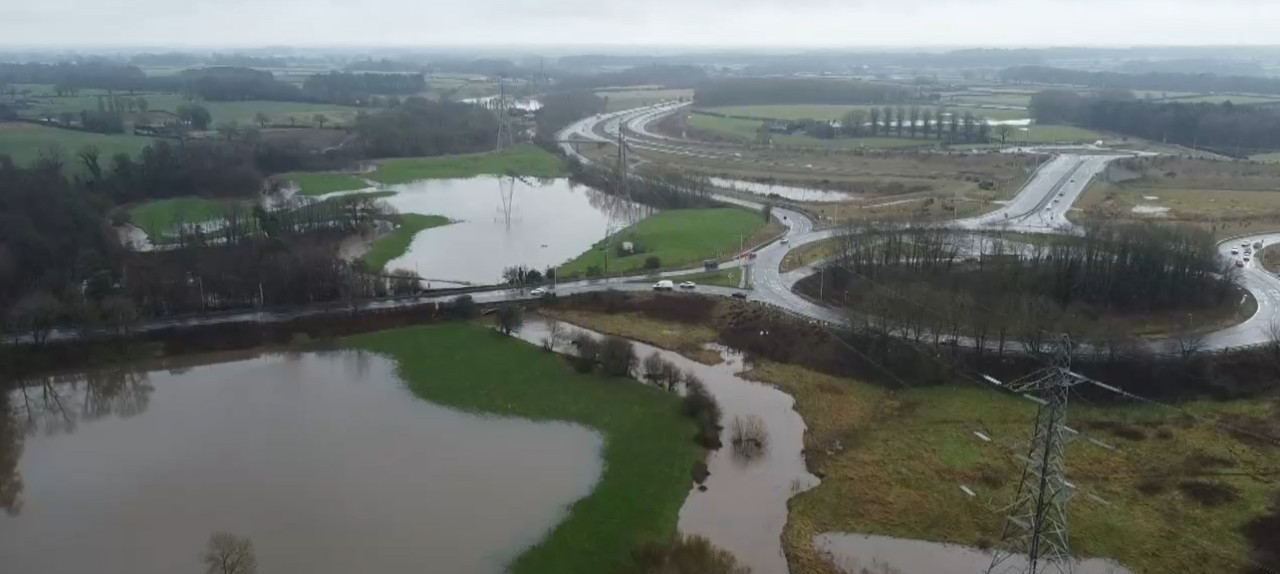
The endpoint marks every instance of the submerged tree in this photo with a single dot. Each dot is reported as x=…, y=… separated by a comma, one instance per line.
x=229, y=554
x=509, y=319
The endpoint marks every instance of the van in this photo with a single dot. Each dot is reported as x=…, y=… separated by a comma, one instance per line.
x=664, y=285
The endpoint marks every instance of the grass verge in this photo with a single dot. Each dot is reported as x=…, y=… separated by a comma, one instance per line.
x=526, y=159
x=678, y=238
x=648, y=450
x=322, y=183
x=397, y=242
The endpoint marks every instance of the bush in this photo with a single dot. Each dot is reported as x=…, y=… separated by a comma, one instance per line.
x=652, y=262
x=682, y=309
x=749, y=436
x=463, y=307
x=688, y=555
x=618, y=357
x=699, y=405
x=594, y=271
x=509, y=319
x=588, y=352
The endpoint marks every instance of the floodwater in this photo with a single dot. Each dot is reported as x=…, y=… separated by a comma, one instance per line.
x=1156, y=210
x=503, y=221
x=786, y=191
x=854, y=552
x=490, y=102
x=325, y=461
x=744, y=507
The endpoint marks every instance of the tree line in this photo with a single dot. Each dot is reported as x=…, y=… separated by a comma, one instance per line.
x=749, y=91
x=1227, y=128
x=419, y=127
x=663, y=191
x=892, y=121
x=1137, y=268
x=340, y=87
x=1158, y=81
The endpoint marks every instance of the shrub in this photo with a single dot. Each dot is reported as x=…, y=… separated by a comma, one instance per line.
x=652, y=262
x=588, y=352
x=687, y=555
x=699, y=405
x=749, y=436
x=463, y=307
x=618, y=357
x=594, y=271
x=682, y=309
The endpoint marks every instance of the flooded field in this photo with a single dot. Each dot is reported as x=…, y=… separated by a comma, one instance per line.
x=855, y=552
x=325, y=461
x=744, y=506
x=785, y=191
x=504, y=222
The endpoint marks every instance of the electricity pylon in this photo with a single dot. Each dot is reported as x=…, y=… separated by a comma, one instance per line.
x=1035, y=530
x=623, y=165
x=505, y=138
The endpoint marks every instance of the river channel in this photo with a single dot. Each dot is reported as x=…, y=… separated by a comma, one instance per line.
x=744, y=507
x=324, y=460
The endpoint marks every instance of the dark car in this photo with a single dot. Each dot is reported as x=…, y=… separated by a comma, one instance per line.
x=739, y=295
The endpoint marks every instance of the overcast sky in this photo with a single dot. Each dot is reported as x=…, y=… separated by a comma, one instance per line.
x=216, y=23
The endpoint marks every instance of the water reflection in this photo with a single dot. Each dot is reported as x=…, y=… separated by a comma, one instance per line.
x=503, y=221
x=58, y=403
x=324, y=460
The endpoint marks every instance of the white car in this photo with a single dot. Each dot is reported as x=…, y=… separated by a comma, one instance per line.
x=664, y=285
x=540, y=291
x=1235, y=251
x=785, y=241
x=688, y=285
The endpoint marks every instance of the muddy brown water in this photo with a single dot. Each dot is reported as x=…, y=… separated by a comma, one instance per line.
x=855, y=552
x=744, y=507
x=325, y=461
x=501, y=222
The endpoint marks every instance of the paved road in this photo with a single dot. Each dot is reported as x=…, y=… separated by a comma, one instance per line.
x=1039, y=207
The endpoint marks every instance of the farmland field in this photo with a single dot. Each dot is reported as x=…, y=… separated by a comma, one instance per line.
x=836, y=112
x=627, y=99
x=23, y=142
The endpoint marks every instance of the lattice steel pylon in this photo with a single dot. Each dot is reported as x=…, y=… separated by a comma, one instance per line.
x=623, y=167
x=1035, y=538
x=505, y=136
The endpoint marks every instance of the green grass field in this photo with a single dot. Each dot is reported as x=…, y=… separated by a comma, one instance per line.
x=280, y=113
x=397, y=242
x=1051, y=134
x=836, y=112
x=24, y=142
x=992, y=99
x=678, y=238
x=322, y=183
x=648, y=446
x=526, y=159
x=158, y=217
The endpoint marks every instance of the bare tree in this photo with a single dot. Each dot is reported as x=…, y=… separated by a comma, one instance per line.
x=229, y=554
x=653, y=366
x=262, y=119
x=37, y=314
x=556, y=334
x=509, y=319
x=320, y=119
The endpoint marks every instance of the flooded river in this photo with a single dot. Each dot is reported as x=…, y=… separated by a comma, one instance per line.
x=325, y=461
x=503, y=222
x=744, y=506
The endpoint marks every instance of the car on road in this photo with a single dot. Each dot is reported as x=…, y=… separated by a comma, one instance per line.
x=1062, y=193
x=1235, y=251
x=688, y=285
x=538, y=292
x=1246, y=258
x=785, y=241
x=739, y=295
x=664, y=285
x=1239, y=263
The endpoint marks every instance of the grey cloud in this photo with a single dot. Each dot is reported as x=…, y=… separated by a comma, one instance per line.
x=681, y=22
